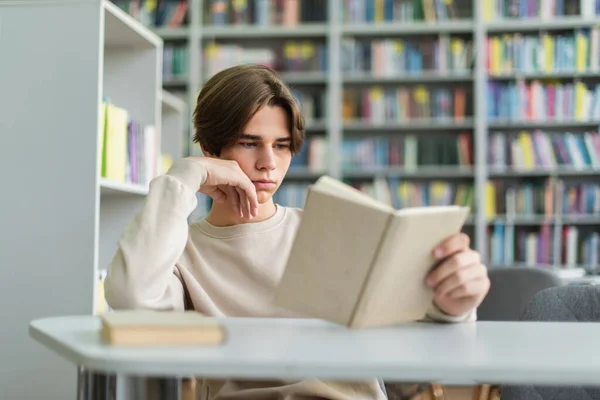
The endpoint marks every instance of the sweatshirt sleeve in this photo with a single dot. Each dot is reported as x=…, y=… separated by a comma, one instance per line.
x=142, y=272
x=434, y=314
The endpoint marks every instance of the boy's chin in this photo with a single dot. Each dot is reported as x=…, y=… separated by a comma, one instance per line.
x=264, y=196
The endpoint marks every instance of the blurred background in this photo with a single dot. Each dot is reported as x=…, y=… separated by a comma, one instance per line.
x=493, y=104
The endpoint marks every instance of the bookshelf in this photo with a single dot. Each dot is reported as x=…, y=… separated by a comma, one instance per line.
x=371, y=54
x=86, y=125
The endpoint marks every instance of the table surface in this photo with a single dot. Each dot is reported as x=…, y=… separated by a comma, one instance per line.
x=492, y=352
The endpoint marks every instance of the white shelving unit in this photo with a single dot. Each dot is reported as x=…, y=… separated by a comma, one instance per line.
x=59, y=60
x=174, y=114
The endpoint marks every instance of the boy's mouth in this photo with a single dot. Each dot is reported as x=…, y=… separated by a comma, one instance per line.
x=264, y=184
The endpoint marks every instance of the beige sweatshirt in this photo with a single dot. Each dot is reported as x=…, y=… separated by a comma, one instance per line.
x=228, y=271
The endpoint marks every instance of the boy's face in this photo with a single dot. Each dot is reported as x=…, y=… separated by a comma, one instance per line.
x=263, y=151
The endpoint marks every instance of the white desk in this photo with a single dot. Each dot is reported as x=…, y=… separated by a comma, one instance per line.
x=490, y=352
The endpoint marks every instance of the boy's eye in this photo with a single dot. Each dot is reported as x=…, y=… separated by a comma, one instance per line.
x=282, y=146
x=247, y=144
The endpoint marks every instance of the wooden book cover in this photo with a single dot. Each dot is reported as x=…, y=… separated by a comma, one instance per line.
x=146, y=327
x=358, y=262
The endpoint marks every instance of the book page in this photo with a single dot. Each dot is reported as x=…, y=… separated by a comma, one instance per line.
x=154, y=319
x=331, y=256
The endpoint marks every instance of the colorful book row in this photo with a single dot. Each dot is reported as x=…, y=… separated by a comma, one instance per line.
x=543, y=9
x=398, y=10
x=544, y=53
x=264, y=12
x=542, y=150
x=540, y=101
x=401, y=194
x=404, y=103
x=409, y=151
x=291, y=56
x=390, y=57
x=153, y=13
x=548, y=198
x=578, y=247
x=391, y=191
x=130, y=152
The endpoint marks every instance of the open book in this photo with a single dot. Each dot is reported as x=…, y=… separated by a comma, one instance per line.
x=148, y=327
x=361, y=263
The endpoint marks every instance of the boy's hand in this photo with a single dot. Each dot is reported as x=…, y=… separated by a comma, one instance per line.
x=226, y=182
x=460, y=282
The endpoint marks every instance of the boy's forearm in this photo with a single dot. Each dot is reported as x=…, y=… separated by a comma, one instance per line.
x=141, y=273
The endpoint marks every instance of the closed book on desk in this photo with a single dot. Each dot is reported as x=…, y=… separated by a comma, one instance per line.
x=361, y=263
x=145, y=327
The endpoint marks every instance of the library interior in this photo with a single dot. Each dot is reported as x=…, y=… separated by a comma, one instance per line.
x=492, y=105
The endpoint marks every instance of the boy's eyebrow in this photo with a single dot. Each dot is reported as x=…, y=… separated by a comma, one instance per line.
x=248, y=136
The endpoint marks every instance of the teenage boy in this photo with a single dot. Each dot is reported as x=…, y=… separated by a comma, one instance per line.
x=229, y=263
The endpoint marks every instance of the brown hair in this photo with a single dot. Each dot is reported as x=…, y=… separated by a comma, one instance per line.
x=230, y=99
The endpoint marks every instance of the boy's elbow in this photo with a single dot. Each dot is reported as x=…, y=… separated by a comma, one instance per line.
x=121, y=292
x=120, y=295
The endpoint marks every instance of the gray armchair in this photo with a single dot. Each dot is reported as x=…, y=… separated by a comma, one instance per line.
x=566, y=303
x=511, y=290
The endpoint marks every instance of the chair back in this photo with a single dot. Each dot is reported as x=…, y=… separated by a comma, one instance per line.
x=560, y=304
x=511, y=290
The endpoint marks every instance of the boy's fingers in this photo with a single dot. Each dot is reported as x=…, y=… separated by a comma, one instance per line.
x=472, y=288
x=250, y=192
x=451, y=245
x=244, y=203
x=452, y=264
x=234, y=199
x=460, y=278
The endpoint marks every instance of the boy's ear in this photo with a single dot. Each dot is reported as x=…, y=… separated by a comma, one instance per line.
x=206, y=152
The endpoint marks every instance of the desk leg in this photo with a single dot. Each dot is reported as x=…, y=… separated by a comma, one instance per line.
x=95, y=385
x=152, y=388
x=161, y=388
x=101, y=386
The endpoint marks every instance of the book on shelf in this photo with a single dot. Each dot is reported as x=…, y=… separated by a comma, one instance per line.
x=542, y=101
x=129, y=149
x=101, y=304
x=408, y=151
x=148, y=327
x=175, y=61
x=529, y=150
x=405, y=103
x=156, y=14
x=545, y=9
x=313, y=105
x=578, y=246
x=549, y=200
x=528, y=217
x=543, y=53
x=403, y=56
x=291, y=194
x=359, y=262
x=399, y=193
x=392, y=191
x=265, y=12
x=289, y=56
x=312, y=155
x=378, y=11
